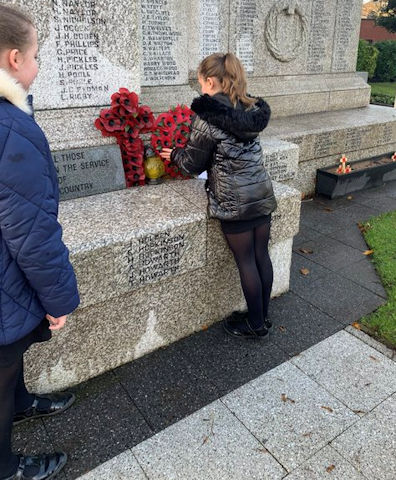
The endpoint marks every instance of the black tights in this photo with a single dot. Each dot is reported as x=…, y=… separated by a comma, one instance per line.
x=13, y=397
x=250, y=251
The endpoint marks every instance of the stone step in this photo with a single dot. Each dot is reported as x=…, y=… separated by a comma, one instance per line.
x=323, y=137
x=151, y=269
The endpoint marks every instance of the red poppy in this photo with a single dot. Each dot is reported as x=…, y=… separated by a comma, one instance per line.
x=100, y=126
x=180, y=140
x=109, y=122
x=184, y=130
x=166, y=141
x=126, y=99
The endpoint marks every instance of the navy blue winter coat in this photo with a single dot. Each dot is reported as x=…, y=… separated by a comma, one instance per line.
x=36, y=276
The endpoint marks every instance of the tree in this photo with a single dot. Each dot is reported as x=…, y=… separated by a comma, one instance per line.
x=386, y=62
x=367, y=58
x=387, y=16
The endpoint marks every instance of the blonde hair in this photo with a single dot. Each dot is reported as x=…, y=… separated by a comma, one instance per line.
x=15, y=28
x=228, y=69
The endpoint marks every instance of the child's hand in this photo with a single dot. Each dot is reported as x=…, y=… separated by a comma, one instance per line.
x=56, y=323
x=165, y=153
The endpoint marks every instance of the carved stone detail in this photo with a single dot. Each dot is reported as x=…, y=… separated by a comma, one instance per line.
x=285, y=51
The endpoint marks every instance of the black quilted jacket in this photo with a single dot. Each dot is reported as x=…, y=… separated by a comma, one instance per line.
x=224, y=141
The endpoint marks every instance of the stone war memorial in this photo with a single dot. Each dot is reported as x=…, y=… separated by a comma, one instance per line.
x=151, y=267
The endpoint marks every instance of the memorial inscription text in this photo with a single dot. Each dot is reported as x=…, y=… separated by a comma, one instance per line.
x=76, y=49
x=155, y=257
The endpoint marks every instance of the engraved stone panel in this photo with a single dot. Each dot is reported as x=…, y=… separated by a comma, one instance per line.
x=280, y=159
x=320, y=33
x=164, y=40
x=83, y=53
x=346, y=35
x=208, y=32
x=295, y=36
x=89, y=171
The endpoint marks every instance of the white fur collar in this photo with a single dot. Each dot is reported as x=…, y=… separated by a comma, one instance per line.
x=13, y=92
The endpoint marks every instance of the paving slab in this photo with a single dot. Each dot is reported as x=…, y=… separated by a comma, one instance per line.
x=340, y=298
x=31, y=438
x=388, y=352
x=351, y=370
x=382, y=203
x=227, y=361
x=166, y=387
x=329, y=253
x=122, y=467
x=102, y=423
x=209, y=445
x=298, y=324
x=364, y=274
x=324, y=465
x=390, y=189
x=385, y=190
x=292, y=415
x=370, y=444
x=351, y=236
x=304, y=271
x=305, y=234
x=327, y=220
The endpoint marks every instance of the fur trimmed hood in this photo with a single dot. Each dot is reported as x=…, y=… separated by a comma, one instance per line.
x=243, y=124
x=14, y=92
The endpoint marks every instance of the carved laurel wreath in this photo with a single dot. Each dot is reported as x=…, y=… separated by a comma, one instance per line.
x=291, y=7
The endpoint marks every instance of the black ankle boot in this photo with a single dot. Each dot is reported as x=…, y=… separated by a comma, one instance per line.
x=40, y=467
x=242, y=329
x=241, y=315
x=45, y=406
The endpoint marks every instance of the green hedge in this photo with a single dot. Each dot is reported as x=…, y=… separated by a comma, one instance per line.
x=367, y=58
x=386, y=61
x=382, y=99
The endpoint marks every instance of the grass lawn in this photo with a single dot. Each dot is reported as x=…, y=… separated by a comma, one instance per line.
x=381, y=237
x=383, y=88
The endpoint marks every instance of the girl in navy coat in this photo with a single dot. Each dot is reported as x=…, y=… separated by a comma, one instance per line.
x=37, y=284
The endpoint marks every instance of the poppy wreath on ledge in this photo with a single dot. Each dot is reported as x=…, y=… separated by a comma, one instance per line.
x=172, y=129
x=126, y=120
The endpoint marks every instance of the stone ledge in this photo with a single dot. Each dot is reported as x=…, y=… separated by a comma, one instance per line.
x=323, y=134
x=304, y=94
x=323, y=137
x=159, y=232
x=119, y=320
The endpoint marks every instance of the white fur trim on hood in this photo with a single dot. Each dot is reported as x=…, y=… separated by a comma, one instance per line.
x=13, y=92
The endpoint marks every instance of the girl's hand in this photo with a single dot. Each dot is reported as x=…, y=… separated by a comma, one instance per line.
x=56, y=323
x=165, y=153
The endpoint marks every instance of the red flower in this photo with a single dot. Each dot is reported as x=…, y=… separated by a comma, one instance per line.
x=126, y=99
x=185, y=131
x=156, y=143
x=166, y=141
x=109, y=122
x=180, y=139
x=145, y=119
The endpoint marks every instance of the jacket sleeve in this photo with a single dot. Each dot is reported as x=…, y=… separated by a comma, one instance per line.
x=29, y=226
x=197, y=155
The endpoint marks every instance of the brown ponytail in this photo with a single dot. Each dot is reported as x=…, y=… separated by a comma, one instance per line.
x=15, y=28
x=231, y=74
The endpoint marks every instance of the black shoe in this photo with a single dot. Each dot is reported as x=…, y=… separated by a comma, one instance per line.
x=241, y=328
x=239, y=315
x=43, y=467
x=55, y=403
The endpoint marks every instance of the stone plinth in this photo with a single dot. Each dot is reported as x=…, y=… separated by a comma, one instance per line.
x=324, y=137
x=157, y=274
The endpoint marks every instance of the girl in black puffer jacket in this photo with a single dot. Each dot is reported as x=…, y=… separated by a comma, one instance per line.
x=224, y=141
